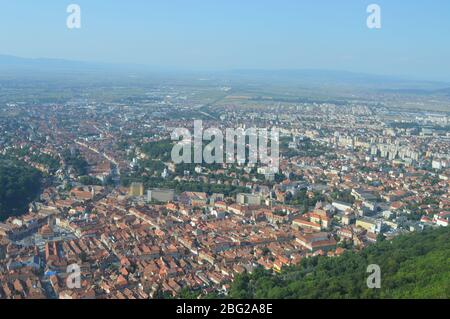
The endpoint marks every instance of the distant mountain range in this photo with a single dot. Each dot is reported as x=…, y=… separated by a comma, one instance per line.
x=16, y=66
x=8, y=62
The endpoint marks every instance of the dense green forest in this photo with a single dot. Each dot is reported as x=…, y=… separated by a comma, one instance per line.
x=19, y=185
x=412, y=266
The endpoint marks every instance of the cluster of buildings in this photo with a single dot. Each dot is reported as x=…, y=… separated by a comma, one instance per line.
x=350, y=180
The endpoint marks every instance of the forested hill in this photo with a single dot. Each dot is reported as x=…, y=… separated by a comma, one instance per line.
x=412, y=266
x=19, y=185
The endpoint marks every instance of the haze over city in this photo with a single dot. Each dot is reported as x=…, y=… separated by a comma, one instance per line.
x=222, y=35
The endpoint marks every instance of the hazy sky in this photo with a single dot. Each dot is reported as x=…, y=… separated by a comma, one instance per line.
x=225, y=34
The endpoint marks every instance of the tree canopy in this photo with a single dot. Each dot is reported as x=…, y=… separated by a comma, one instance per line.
x=19, y=185
x=412, y=266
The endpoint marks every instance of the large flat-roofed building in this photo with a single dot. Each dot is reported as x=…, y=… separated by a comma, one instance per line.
x=369, y=224
x=249, y=199
x=160, y=195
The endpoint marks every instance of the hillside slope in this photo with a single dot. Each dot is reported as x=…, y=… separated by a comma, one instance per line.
x=412, y=266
